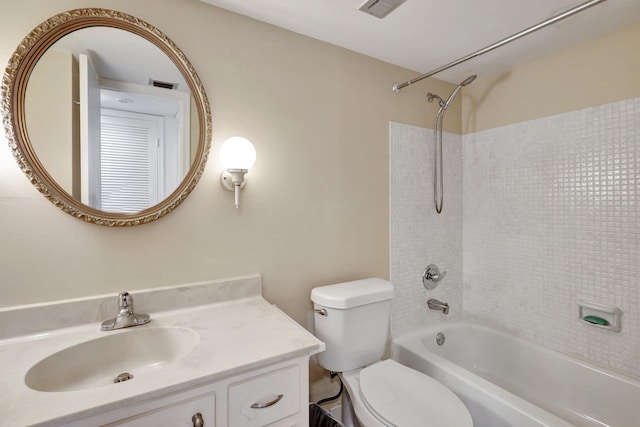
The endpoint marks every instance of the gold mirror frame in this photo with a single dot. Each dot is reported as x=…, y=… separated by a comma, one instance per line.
x=14, y=83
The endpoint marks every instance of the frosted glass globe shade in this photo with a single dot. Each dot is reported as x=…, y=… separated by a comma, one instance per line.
x=237, y=153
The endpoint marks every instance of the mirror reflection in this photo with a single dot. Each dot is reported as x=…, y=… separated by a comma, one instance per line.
x=111, y=119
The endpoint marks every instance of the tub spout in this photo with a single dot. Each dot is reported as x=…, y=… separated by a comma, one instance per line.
x=434, y=304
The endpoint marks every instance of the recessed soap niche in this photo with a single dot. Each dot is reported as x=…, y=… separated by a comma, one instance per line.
x=600, y=315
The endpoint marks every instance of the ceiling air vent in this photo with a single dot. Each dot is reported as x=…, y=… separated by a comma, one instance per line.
x=164, y=85
x=380, y=8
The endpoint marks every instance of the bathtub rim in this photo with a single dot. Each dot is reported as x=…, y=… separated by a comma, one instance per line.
x=439, y=327
x=464, y=382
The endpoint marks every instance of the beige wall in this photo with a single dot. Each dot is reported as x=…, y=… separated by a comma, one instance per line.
x=315, y=209
x=593, y=73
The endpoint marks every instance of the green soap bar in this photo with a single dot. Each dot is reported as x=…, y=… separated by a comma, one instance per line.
x=596, y=320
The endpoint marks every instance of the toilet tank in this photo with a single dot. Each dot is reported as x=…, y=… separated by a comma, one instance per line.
x=352, y=318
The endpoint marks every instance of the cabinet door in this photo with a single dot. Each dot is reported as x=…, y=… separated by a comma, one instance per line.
x=177, y=415
x=264, y=399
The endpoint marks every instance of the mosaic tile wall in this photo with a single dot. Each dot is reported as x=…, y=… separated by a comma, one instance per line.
x=551, y=217
x=419, y=236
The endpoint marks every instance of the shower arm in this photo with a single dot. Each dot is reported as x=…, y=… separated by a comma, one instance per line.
x=398, y=86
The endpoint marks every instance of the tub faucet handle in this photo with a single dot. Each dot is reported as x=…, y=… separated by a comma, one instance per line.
x=432, y=276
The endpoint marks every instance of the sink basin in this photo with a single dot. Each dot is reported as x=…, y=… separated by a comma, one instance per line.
x=99, y=362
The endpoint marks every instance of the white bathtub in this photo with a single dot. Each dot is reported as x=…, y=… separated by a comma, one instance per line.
x=508, y=381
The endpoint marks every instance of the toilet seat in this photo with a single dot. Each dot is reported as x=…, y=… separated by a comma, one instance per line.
x=400, y=396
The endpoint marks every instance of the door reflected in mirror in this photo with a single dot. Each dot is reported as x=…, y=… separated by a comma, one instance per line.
x=109, y=117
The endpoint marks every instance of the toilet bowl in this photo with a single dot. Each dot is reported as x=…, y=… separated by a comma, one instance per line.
x=390, y=394
x=352, y=319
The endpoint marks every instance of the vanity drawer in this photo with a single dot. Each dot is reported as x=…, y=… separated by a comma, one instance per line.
x=262, y=400
x=176, y=415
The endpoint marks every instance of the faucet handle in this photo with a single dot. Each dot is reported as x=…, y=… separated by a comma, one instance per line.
x=432, y=276
x=125, y=317
x=125, y=300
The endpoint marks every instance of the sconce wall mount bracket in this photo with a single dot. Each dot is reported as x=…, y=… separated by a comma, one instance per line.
x=237, y=155
x=233, y=177
x=234, y=180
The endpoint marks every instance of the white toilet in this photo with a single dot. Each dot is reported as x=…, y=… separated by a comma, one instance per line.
x=352, y=319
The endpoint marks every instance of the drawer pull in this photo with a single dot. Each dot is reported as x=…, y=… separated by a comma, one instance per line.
x=197, y=420
x=266, y=405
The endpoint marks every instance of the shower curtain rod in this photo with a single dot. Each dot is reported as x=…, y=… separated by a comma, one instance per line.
x=397, y=86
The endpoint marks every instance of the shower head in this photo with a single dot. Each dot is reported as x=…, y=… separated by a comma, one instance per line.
x=468, y=80
x=465, y=82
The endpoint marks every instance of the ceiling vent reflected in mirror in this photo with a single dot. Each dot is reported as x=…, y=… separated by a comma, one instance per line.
x=163, y=85
x=380, y=8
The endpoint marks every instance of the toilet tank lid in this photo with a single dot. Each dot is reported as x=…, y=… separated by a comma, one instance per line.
x=352, y=294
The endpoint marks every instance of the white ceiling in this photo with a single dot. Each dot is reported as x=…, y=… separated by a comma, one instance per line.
x=423, y=35
x=122, y=56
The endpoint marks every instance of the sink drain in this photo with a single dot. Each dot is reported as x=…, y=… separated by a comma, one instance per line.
x=125, y=376
x=440, y=338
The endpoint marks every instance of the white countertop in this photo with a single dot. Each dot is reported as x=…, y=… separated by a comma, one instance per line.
x=236, y=335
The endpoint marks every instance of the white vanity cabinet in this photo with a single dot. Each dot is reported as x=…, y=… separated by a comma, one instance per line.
x=217, y=349
x=275, y=395
x=264, y=399
x=188, y=413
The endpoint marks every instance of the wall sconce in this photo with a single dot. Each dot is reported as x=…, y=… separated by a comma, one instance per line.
x=237, y=156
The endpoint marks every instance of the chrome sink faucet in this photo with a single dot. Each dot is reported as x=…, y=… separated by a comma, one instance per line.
x=434, y=304
x=126, y=316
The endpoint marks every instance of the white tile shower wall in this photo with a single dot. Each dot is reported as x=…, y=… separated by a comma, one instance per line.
x=550, y=217
x=418, y=235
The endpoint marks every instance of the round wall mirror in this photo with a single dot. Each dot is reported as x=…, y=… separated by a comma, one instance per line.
x=106, y=117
